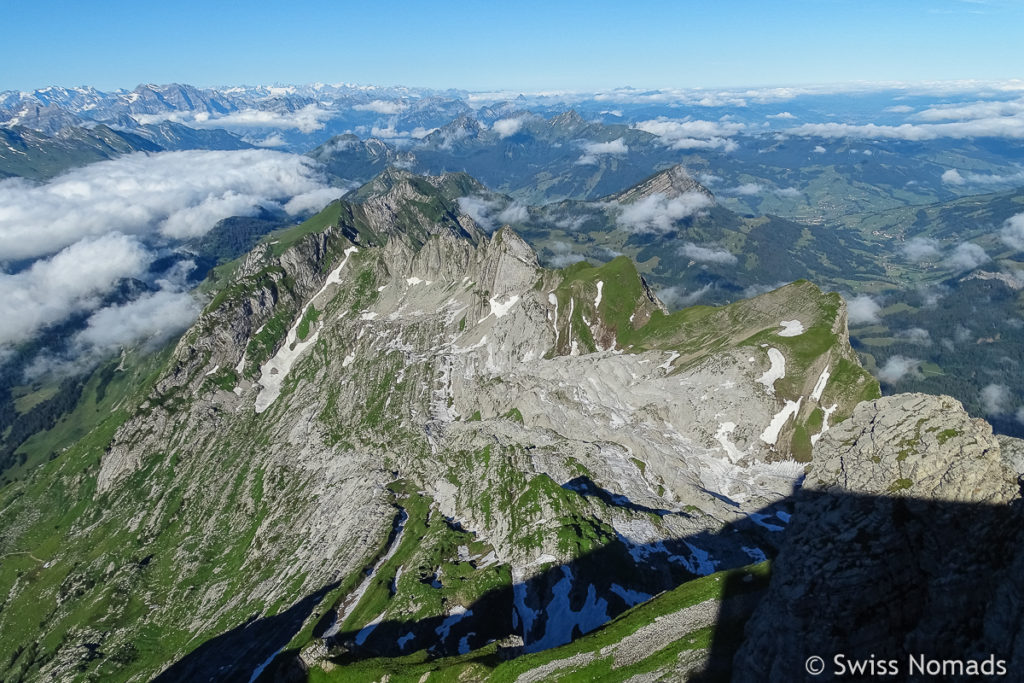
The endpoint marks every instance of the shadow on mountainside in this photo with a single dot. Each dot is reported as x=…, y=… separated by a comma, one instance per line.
x=855, y=575
x=878, y=578
x=235, y=655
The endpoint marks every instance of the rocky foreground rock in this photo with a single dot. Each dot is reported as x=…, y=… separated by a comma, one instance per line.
x=906, y=541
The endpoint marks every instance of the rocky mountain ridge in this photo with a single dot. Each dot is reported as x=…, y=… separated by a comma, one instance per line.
x=534, y=427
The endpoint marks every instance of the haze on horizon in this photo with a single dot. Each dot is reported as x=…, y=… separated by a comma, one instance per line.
x=532, y=46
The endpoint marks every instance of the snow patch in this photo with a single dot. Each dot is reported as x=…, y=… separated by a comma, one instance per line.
x=348, y=360
x=259, y=669
x=699, y=562
x=357, y=595
x=457, y=614
x=273, y=372
x=824, y=422
x=759, y=519
x=553, y=300
x=405, y=639
x=791, y=328
x=562, y=621
x=775, y=372
x=631, y=597
x=756, y=554
x=667, y=365
x=771, y=433
x=819, y=386
x=498, y=309
x=600, y=286
x=215, y=369
x=722, y=437
x=365, y=631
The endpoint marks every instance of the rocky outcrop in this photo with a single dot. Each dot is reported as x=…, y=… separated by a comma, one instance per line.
x=905, y=541
x=670, y=183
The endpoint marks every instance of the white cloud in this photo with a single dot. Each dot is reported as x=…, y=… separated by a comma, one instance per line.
x=419, y=132
x=788, y=192
x=74, y=279
x=507, y=127
x=177, y=194
x=513, y=213
x=818, y=149
x=381, y=107
x=481, y=211
x=152, y=319
x=915, y=335
x=953, y=177
x=862, y=309
x=693, y=134
x=899, y=109
x=449, y=136
x=564, y=255
x=780, y=115
x=274, y=140
x=967, y=256
x=388, y=132
x=918, y=249
x=897, y=367
x=703, y=254
x=656, y=213
x=1012, y=233
x=971, y=110
x=995, y=399
x=490, y=214
x=757, y=290
x=306, y=120
x=592, y=150
x=677, y=297
x=744, y=190
x=1003, y=127
x=313, y=200
x=340, y=144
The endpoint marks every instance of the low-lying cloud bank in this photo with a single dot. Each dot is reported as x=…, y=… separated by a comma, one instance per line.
x=898, y=367
x=693, y=134
x=176, y=195
x=491, y=214
x=658, y=214
x=593, y=150
x=306, y=120
x=996, y=127
x=66, y=246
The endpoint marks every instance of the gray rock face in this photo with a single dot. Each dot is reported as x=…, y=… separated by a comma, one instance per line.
x=670, y=183
x=915, y=446
x=404, y=359
x=905, y=541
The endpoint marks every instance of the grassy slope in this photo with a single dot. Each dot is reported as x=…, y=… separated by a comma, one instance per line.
x=484, y=664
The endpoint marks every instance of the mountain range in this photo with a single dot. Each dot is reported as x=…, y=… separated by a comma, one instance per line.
x=518, y=391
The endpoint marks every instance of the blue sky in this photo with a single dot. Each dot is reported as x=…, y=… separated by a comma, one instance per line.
x=526, y=45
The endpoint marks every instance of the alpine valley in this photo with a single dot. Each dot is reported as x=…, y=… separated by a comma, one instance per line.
x=523, y=392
